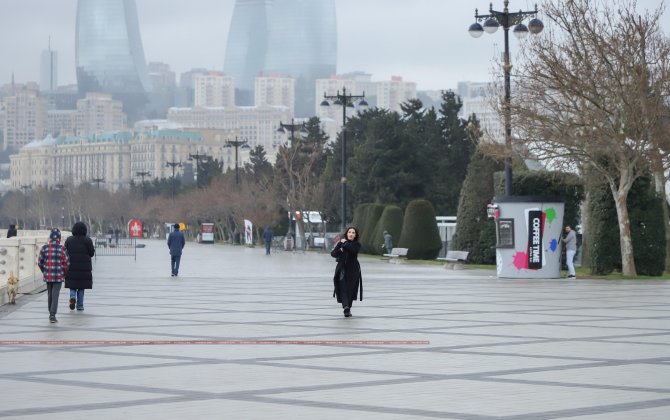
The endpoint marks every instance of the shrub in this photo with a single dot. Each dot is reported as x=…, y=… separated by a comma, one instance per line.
x=391, y=221
x=645, y=212
x=371, y=217
x=476, y=193
x=419, y=231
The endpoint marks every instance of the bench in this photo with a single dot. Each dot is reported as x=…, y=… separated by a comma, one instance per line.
x=397, y=255
x=455, y=259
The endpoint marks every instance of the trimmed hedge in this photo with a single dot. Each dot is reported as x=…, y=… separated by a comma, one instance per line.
x=372, y=215
x=473, y=233
x=549, y=183
x=646, y=225
x=419, y=231
x=391, y=221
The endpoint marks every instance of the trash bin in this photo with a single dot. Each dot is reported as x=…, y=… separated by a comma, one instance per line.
x=528, y=231
x=288, y=244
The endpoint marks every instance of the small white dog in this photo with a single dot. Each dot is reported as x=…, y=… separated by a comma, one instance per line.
x=12, y=287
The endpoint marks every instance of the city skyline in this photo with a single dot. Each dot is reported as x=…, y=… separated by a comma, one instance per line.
x=425, y=41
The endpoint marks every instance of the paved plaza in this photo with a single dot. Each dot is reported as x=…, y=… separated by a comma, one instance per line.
x=243, y=335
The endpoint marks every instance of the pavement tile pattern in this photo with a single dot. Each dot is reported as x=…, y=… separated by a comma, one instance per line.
x=498, y=349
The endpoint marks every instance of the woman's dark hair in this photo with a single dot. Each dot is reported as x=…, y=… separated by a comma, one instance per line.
x=358, y=236
x=79, y=229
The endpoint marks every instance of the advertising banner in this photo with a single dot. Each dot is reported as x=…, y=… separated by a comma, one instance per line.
x=535, y=230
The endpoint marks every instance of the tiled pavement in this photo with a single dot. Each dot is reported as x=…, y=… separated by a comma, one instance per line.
x=499, y=349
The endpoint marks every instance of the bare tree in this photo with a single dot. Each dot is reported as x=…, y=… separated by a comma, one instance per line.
x=591, y=94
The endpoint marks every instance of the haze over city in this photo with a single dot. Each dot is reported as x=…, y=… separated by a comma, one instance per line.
x=424, y=41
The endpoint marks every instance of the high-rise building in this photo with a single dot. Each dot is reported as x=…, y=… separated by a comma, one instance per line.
x=294, y=38
x=302, y=44
x=25, y=119
x=275, y=90
x=393, y=93
x=477, y=98
x=49, y=70
x=247, y=46
x=99, y=113
x=214, y=89
x=109, y=53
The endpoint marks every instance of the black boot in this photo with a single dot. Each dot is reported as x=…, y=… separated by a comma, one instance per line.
x=347, y=312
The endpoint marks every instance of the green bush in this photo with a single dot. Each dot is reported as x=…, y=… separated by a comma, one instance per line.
x=391, y=221
x=372, y=214
x=359, y=215
x=419, y=231
x=645, y=212
x=472, y=221
x=548, y=183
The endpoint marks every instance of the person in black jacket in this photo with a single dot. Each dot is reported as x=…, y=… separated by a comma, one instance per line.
x=80, y=275
x=11, y=232
x=348, y=279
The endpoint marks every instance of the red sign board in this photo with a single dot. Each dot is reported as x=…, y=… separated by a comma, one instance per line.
x=134, y=228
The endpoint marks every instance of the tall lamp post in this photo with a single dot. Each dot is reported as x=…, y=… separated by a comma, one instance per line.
x=236, y=144
x=345, y=100
x=492, y=22
x=142, y=174
x=173, y=165
x=199, y=158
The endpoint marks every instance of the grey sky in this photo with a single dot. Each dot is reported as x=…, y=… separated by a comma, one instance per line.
x=425, y=41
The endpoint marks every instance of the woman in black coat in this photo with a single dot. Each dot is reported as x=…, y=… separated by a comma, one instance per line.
x=348, y=278
x=80, y=274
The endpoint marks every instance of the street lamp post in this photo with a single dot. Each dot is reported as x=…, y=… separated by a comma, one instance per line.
x=236, y=144
x=345, y=100
x=199, y=158
x=173, y=165
x=142, y=174
x=507, y=19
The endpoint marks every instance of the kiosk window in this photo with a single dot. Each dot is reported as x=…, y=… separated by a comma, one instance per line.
x=505, y=233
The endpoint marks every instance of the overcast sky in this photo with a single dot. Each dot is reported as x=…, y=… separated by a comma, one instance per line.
x=424, y=41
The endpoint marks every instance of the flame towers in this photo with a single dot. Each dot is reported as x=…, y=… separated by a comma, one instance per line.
x=109, y=53
x=295, y=38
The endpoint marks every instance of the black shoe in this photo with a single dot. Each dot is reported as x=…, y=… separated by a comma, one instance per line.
x=571, y=276
x=72, y=303
x=347, y=312
x=53, y=319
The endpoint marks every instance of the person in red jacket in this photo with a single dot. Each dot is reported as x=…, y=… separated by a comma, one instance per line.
x=54, y=262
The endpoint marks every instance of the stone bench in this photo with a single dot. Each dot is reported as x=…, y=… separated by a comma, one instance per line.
x=397, y=255
x=455, y=259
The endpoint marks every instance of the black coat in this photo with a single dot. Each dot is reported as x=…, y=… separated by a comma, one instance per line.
x=348, y=266
x=80, y=274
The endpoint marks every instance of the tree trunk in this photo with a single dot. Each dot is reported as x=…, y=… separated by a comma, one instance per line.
x=626, y=242
x=584, y=210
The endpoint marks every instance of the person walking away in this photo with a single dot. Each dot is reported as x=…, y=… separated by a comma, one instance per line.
x=348, y=279
x=570, y=242
x=267, y=237
x=54, y=262
x=11, y=232
x=79, y=277
x=175, y=242
x=388, y=242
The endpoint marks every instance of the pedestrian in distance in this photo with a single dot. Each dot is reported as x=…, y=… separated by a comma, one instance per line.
x=267, y=237
x=388, y=241
x=175, y=242
x=347, y=280
x=11, y=232
x=570, y=243
x=54, y=262
x=79, y=277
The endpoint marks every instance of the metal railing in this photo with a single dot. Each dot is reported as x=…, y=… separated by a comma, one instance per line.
x=115, y=247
